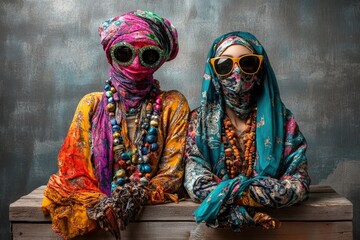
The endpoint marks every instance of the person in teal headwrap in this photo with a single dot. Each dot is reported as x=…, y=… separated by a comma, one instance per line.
x=244, y=149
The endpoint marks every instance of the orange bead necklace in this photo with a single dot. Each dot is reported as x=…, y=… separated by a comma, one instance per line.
x=240, y=162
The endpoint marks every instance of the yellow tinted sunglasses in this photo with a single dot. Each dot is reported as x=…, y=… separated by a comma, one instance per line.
x=248, y=64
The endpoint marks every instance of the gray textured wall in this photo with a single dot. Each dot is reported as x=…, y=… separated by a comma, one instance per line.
x=51, y=56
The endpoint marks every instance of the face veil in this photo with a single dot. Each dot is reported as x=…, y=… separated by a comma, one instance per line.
x=270, y=108
x=239, y=88
x=137, y=29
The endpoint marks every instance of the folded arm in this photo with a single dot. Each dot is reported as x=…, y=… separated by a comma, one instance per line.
x=293, y=184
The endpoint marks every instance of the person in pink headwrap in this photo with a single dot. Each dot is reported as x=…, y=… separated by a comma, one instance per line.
x=125, y=145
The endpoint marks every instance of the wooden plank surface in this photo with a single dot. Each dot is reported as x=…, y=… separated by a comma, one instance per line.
x=318, y=189
x=326, y=215
x=189, y=230
x=324, y=204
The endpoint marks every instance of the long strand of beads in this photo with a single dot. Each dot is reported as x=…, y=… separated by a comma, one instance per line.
x=235, y=161
x=150, y=126
x=118, y=146
x=250, y=145
x=232, y=154
x=134, y=164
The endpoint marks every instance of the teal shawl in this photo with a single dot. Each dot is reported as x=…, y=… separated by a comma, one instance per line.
x=269, y=132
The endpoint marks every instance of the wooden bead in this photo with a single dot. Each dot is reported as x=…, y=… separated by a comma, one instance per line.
x=134, y=159
x=122, y=164
x=149, y=107
x=154, y=123
x=228, y=152
x=120, y=173
x=116, y=135
x=235, y=160
x=110, y=107
x=248, y=173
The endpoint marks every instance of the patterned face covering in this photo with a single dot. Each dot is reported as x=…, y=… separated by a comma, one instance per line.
x=132, y=82
x=138, y=29
x=239, y=89
x=270, y=121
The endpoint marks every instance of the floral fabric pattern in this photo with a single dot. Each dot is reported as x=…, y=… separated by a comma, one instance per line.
x=280, y=160
x=292, y=187
x=75, y=187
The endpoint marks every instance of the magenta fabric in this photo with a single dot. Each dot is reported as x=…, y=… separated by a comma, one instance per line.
x=133, y=82
x=138, y=28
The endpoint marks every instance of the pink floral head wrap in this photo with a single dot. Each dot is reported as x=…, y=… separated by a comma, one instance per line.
x=132, y=82
x=140, y=26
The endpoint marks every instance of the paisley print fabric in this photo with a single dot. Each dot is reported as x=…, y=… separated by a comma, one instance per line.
x=280, y=176
x=133, y=82
x=75, y=187
x=239, y=92
x=291, y=187
x=239, y=89
x=82, y=185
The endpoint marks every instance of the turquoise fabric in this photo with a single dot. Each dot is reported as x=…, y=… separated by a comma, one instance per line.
x=269, y=132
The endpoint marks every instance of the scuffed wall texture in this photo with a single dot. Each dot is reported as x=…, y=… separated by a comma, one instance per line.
x=51, y=56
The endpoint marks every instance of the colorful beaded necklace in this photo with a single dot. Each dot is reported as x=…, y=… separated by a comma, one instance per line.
x=240, y=162
x=133, y=164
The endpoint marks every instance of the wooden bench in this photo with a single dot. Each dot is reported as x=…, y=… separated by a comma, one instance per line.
x=326, y=215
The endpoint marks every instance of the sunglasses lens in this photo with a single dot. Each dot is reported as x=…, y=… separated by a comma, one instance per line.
x=249, y=64
x=223, y=65
x=123, y=54
x=150, y=56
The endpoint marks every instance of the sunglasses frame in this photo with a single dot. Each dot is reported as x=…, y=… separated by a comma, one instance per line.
x=237, y=60
x=134, y=51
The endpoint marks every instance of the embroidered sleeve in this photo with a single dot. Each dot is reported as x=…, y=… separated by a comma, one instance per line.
x=74, y=187
x=199, y=180
x=168, y=179
x=293, y=184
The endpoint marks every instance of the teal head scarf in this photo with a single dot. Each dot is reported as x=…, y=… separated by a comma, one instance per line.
x=269, y=132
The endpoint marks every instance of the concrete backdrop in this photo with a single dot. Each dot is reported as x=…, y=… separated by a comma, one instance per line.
x=51, y=56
